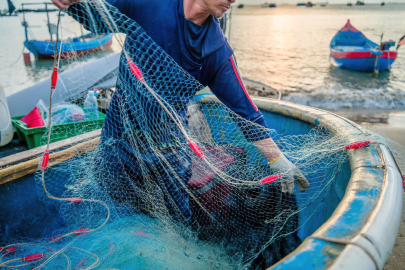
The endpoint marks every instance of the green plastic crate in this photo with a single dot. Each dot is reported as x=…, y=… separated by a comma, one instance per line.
x=34, y=136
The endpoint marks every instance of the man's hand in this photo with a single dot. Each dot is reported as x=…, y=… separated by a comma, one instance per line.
x=280, y=164
x=64, y=4
x=290, y=174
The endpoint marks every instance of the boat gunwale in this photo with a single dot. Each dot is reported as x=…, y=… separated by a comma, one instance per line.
x=370, y=245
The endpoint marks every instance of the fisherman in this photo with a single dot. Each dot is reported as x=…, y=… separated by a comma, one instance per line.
x=189, y=32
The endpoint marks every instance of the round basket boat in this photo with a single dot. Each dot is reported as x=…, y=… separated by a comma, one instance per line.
x=361, y=231
x=353, y=226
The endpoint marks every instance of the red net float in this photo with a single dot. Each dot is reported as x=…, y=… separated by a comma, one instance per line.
x=33, y=257
x=357, y=145
x=196, y=149
x=269, y=179
x=80, y=263
x=45, y=160
x=10, y=249
x=55, y=237
x=54, y=78
x=135, y=70
x=74, y=200
x=81, y=231
x=403, y=185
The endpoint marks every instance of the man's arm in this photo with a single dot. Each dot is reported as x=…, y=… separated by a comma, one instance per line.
x=227, y=85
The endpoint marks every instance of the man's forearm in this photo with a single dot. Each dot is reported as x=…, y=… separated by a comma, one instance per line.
x=268, y=148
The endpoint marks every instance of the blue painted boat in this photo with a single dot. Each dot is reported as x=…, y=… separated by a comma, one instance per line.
x=43, y=49
x=350, y=49
x=346, y=228
x=83, y=44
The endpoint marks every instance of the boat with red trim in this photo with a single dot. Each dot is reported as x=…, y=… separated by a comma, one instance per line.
x=43, y=49
x=84, y=44
x=351, y=49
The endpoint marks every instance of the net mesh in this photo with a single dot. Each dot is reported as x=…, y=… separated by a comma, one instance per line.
x=175, y=182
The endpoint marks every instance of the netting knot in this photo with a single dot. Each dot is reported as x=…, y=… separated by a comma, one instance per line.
x=357, y=145
x=33, y=257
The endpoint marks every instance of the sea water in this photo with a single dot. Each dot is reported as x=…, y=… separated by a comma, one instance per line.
x=285, y=47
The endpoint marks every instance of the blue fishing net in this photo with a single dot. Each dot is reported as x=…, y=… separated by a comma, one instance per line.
x=142, y=197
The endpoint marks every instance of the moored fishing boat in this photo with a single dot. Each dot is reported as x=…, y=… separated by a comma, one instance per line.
x=43, y=49
x=350, y=49
x=84, y=44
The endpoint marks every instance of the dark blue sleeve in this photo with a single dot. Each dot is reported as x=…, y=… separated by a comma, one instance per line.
x=227, y=85
x=87, y=14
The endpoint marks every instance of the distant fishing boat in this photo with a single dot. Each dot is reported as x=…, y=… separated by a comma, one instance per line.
x=301, y=4
x=309, y=4
x=349, y=4
x=383, y=4
x=272, y=5
x=42, y=49
x=352, y=50
x=10, y=11
x=241, y=6
x=360, y=3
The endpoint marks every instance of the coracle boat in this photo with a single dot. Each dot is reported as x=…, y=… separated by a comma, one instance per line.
x=350, y=49
x=353, y=226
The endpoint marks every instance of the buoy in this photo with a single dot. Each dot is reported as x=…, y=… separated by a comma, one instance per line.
x=6, y=127
x=27, y=59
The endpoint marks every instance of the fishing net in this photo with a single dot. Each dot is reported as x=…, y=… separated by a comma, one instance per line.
x=174, y=181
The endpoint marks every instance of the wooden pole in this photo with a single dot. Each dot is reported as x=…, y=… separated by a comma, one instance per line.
x=17, y=171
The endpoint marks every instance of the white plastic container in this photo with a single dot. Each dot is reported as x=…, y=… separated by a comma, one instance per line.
x=6, y=127
x=91, y=107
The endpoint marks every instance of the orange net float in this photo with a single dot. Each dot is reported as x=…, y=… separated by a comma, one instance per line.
x=357, y=145
x=135, y=70
x=45, y=160
x=403, y=182
x=33, y=257
x=269, y=179
x=196, y=149
x=54, y=78
x=81, y=231
x=10, y=249
x=74, y=200
x=55, y=238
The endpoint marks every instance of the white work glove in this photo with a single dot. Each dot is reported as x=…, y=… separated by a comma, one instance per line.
x=289, y=174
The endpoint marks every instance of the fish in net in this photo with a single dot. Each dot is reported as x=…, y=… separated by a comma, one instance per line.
x=176, y=182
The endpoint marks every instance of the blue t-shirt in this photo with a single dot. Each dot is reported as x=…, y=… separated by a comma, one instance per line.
x=201, y=50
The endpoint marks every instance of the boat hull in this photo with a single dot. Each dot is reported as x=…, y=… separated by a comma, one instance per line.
x=351, y=49
x=46, y=49
x=362, y=61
